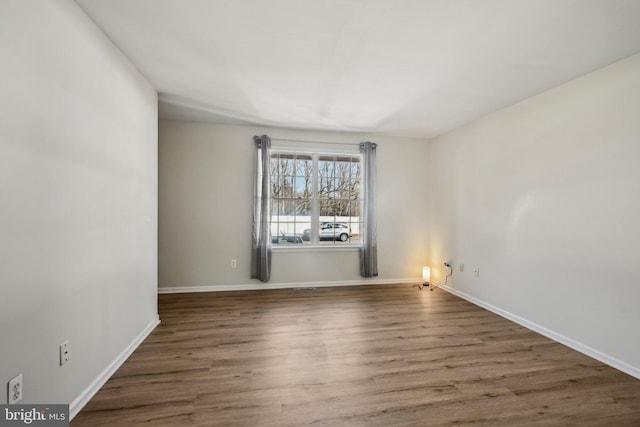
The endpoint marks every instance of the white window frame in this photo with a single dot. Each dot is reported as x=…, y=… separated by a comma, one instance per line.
x=291, y=148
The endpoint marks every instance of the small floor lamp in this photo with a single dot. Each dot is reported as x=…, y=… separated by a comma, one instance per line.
x=426, y=276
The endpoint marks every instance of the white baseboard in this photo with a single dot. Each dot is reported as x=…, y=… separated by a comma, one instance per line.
x=261, y=286
x=86, y=395
x=582, y=348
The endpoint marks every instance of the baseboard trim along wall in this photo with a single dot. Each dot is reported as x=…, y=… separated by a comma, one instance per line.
x=584, y=349
x=261, y=286
x=84, y=397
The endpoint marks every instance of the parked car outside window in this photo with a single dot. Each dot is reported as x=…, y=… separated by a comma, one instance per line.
x=330, y=231
x=286, y=238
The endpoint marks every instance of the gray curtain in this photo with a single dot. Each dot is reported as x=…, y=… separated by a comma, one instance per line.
x=261, y=247
x=369, y=248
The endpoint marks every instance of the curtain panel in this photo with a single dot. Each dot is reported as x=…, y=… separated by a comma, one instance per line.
x=261, y=244
x=369, y=248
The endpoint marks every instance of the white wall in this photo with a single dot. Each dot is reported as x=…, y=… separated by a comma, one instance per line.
x=78, y=186
x=205, y=209
x=544, y=197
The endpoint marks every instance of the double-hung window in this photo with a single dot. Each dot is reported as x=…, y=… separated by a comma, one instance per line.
x=315, y=198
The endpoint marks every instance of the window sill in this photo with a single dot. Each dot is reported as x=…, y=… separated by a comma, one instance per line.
x=315, y=248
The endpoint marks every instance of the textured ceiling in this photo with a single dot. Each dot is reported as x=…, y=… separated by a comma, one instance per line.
x=402, y=67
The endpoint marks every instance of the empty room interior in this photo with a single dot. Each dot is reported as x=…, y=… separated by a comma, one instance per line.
x=341, y=212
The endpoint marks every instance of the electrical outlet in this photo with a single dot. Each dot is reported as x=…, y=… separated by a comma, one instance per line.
x=14, y=394
x=461, y=268
x=476, y=271
x=234, y=263
x=65, y=353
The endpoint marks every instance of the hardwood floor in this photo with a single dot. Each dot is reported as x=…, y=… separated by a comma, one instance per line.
x=354, y=356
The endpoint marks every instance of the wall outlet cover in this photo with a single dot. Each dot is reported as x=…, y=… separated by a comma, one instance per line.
x=14, y=394
x=65, y=353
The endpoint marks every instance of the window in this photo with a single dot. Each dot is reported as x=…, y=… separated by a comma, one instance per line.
x=315, y=199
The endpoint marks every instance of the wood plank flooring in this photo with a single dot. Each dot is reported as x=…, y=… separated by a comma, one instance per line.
x=354, y=356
